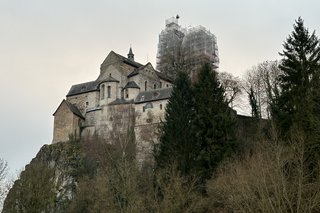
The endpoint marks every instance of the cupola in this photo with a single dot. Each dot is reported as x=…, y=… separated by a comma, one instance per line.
x=130, y=55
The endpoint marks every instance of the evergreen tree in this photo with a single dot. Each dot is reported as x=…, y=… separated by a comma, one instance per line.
x=299, y=79
x=214, y=123
x=297, y=107
x=176, y=140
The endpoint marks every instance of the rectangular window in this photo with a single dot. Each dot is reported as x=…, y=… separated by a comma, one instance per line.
x=109, y=91
x=102, y=91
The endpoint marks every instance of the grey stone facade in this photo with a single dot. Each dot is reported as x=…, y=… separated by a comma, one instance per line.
x=125, y=95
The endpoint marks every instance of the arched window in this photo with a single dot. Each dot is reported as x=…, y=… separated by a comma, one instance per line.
x=103, y=91
x=145, y=85
x=148, y=106
x=127, y=93
x=109, y=91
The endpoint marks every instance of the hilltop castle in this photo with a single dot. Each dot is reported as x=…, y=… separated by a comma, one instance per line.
x=127, y=94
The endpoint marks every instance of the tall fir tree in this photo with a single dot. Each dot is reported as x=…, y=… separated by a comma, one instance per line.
x=176, y=140
x=213, y=123
x=297, y=107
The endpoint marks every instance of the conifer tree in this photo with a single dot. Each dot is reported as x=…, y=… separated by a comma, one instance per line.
x=176, y=140
x=299, y=80
x=297, y=107
x=213, y=124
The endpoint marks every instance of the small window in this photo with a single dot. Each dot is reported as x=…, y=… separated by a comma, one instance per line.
x=109, y=91
x=148, y=106
x=103, y=88
x=160, y=106
x=160, y=84
x=121, y=93
x=154, y=86
x=167, y=85
x=127, y=93
x=145, y=85
x=143, y=109
x=87, y=104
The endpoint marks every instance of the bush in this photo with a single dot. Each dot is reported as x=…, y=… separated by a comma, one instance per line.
x=274, y=178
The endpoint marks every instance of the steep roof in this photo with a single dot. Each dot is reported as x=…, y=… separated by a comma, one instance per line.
x=136, y=71
x=153, y=95
x=128, y=61
x=131, y=84
x=159, y=74
x=72, y=108
x=93, y=85
x=164, y=76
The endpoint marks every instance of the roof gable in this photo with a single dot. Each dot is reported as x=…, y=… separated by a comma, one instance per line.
x=115, y=57
x=71, y=107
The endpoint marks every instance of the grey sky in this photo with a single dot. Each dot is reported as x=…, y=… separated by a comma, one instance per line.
x=46, y=46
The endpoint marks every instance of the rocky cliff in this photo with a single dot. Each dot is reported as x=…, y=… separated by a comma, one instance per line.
x=48, y=183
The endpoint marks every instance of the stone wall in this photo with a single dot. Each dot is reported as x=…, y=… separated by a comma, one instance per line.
x=147, y=128
x=85, y=101
x=65, y=124
x=146, y=115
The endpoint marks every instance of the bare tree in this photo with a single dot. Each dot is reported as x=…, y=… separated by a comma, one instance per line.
x=232, y=86
x=3, y=181
x=271, y=178
x=261, y=83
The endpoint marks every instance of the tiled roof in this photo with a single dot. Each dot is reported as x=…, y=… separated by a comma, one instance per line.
x=88, y=86
x=121, y=101
x=131, y=84
x=133, y=73
x=164, y=77
x=136, y=71
x=82, y=88
x=153, y=95
x=159, y=74
x=128, y=61
x=72, y=108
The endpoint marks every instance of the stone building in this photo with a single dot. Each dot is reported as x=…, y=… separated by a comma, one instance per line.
x=125, y=94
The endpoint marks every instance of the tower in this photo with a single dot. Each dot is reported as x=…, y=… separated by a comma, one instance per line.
x=130, y=55
x=185, y=49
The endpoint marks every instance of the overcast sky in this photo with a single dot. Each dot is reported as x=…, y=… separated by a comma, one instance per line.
x=46, y=46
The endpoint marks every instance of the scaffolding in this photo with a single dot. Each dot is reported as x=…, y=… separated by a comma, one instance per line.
x=187, y=48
